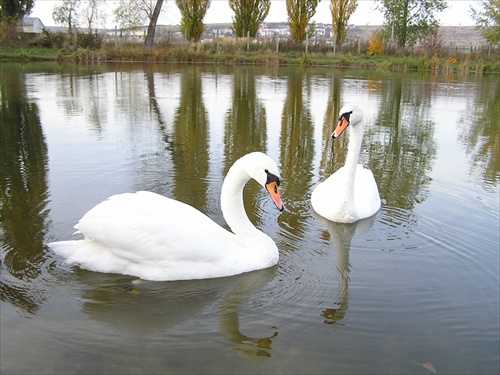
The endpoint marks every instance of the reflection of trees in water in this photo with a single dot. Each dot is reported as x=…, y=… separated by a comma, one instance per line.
x=153, y=162
x=245, y=131
x=84, y=94
x=333, y=152
x=481, y=134
x=297, y=145
x=400, y=149
x=190, y=142
x=245, y=123
x=24, y=192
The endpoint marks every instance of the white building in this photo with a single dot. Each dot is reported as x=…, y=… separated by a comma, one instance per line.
x=31, y=25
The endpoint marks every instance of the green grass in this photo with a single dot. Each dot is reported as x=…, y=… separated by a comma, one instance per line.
x=235, y=53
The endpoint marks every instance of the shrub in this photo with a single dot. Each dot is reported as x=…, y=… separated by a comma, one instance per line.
x=9, y=37
x=90, y=41
x=50, y=40
x=376, y=46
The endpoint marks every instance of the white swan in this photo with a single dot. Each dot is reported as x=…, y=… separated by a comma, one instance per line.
x=152, y=237
x=351, y=193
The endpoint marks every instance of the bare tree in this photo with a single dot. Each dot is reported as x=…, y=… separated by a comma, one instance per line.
x=66, y=14
x=93, y=14
x=150, y=37
x=134, y=14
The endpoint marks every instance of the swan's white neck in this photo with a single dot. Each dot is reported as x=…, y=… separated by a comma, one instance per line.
x=232, y=206
x=351, y=163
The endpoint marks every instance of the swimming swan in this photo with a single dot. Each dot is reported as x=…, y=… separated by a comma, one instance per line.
x=351, y=193
x=152, y=237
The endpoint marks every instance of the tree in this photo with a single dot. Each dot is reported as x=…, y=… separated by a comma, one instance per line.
x=66, y=14
x=300, y=13
x=410, y=20
x=488, y=19
x=248, y=15
x=12, y=11
x=92, y=14
x=150, y=37
x=341, y=10
x=134, y=14
x=192, y=14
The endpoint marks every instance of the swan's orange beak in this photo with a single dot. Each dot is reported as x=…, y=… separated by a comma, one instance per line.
x=274, y=191
x=341, y=126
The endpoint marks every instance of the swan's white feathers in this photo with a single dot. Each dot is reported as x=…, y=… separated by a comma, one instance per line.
x=151, y=223
x=153, y=237
x=366, y=193
x=365, y=190
x=351, y=193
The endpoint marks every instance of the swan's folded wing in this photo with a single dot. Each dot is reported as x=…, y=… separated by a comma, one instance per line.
x=366, y=193
x=145, y=226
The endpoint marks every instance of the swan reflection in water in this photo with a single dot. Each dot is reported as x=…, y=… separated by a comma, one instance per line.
x=341, y=234
x=147, y=308
x=250, y=347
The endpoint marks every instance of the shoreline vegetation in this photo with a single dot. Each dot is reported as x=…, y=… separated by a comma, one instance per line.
x=239, y=52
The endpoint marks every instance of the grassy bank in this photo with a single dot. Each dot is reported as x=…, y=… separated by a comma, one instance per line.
x=262, y=55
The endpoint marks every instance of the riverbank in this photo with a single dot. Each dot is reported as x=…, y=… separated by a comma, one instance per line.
x=239, y=55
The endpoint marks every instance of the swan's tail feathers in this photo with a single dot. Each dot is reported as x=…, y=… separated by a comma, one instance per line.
x=88, y=254
x=65, y=249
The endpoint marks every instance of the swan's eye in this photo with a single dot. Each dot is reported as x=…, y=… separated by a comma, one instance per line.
x=346, y=115
x=272, y=178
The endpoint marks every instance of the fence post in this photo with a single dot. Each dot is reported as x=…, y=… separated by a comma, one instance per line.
x=359, y=46
x=248, y=40
x=307, y=42
x=277, y=44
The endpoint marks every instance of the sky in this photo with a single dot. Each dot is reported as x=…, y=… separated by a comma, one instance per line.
x=457, y=13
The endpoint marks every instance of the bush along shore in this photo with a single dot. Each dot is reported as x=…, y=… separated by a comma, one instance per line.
x=241, y=52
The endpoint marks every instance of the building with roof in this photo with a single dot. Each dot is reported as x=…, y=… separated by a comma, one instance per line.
x=31, y=25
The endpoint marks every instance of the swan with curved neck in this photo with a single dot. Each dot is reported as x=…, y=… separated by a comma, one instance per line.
x=351, y=193
x=152, y=237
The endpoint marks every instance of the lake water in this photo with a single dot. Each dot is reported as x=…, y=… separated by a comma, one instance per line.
x=416, y=284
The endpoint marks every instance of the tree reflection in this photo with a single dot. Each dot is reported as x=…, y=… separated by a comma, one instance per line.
x=332, y=152
x=84, y=94
x=190, y=142
x=400, y=149
x=245, y=130
x=297, y=146
x=24, y=191
x=245, y=127
x=481, y=134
